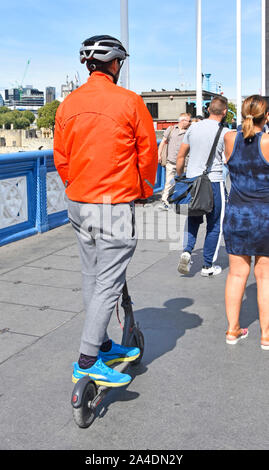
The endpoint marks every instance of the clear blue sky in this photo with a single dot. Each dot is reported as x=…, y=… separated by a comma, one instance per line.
x=162, y=41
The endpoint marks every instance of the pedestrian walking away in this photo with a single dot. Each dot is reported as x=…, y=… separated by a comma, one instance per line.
x=198, y=142
x=173, y=138
x=105, y=151
x=246, y=222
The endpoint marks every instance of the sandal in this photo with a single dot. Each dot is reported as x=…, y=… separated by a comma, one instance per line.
x=241, y=334
x=265, y=346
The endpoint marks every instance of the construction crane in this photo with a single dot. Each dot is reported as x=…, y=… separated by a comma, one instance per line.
x=20, y=86
x=77, y=79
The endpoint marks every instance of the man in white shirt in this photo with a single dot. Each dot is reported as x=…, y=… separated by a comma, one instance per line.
x=198, y=142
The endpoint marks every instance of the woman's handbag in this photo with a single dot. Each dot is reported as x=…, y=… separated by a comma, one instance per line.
x=196, y=192
x=163, y=154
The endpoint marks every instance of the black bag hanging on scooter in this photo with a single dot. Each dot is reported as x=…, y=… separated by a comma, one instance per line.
x=197, y=192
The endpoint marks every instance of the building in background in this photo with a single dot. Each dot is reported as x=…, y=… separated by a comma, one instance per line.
x=1, y=100
x=50, y=94
x=24, y=99
x=68, y=87
x=165, y=106
x=12, y=97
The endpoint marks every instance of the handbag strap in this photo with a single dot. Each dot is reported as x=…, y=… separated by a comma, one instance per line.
x=213, y=149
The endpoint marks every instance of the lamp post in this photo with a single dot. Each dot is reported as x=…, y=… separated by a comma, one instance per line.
x=263, y=39
x=238, y=62
x=125, y=41
x=199, y=106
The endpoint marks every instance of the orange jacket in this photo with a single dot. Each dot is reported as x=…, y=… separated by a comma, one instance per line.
x=105, y=143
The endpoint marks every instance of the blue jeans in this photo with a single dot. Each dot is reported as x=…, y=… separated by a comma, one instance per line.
x=213, y=229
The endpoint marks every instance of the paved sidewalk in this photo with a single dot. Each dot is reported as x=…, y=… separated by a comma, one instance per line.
x=191, y=390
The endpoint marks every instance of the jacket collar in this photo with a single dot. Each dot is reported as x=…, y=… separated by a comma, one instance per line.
x=100, y=75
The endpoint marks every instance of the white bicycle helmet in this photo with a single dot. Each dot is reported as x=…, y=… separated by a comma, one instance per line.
x=103, y=48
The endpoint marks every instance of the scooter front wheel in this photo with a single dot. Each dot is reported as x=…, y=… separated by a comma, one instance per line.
x=138, y=342
x=83, y=394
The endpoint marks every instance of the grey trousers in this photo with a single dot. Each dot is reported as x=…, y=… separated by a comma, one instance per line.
x=107, y=239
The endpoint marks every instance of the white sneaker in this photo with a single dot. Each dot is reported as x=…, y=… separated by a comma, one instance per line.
x=184, y=263
x=211, y=271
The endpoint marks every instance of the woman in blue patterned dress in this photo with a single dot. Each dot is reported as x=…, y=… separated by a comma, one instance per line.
x=246, y=222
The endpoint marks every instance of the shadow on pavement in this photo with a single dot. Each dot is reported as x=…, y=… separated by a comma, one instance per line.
x=162, y=327
x=249, y=310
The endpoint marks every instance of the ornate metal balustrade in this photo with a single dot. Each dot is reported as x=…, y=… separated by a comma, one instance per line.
x=32, y=197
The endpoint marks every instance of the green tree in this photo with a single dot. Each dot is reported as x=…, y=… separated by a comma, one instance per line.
x=46, y=115
x=8, y=119
x=231, y=113
x=4, y=109
x=20, y=119
x=28, y=115
x=21, y=123
x=16, y=114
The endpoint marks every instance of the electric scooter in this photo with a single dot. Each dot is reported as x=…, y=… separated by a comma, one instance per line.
x=86, y=395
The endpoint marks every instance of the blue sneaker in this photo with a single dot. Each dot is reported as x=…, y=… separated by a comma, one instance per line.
x=101, y=374
x=119, y=353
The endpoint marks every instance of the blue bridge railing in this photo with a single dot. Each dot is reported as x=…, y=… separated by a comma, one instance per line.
x=32, y=194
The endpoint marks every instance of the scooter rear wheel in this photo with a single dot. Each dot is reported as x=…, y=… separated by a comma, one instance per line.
x=84, y=415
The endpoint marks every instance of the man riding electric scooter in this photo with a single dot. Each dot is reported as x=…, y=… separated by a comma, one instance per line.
x=105, y=152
